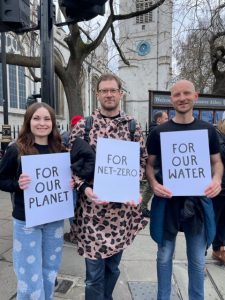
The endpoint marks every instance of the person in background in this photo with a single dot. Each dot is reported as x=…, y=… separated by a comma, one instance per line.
x=65, y=135
x=37, y=251
x=193, y=215
x=159, y=117
x=68, y=236
x=219, y=203
x=105, y=229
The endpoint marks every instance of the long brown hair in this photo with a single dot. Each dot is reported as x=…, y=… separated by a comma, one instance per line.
x=221, y=126
x=26, y=138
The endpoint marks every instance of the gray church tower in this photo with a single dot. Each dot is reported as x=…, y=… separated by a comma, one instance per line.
x=147, y=44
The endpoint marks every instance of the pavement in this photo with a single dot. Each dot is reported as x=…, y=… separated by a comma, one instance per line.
x=138, y=268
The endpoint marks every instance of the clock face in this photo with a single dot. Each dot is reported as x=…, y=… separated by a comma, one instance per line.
x=143, y=48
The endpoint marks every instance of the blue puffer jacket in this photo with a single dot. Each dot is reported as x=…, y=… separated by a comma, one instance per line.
x=158, y=208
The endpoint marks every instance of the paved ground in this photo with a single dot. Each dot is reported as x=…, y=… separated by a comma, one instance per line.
x=138, y=270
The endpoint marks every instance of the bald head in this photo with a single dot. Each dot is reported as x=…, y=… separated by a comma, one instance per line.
x=183, y=83
x=183, y=97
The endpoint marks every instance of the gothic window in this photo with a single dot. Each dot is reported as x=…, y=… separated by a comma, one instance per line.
x=141, y=5
x=17, y=86
x=12, y=86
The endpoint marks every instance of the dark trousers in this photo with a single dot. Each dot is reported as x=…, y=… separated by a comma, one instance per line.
x=101, y=277
x=219, y=209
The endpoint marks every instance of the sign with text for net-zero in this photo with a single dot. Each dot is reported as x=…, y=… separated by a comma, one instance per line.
x=117, y=170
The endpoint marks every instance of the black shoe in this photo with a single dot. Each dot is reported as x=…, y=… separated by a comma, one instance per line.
x=146, y=213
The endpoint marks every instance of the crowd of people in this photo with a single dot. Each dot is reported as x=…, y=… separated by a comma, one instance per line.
x=101, y=229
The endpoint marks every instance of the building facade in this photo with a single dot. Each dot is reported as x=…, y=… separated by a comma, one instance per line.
x=147, y=44
x=20, y=84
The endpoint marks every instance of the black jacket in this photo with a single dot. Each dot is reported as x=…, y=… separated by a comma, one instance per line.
x=82, y=159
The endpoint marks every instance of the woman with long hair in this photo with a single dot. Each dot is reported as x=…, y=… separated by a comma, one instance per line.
x=37, y=251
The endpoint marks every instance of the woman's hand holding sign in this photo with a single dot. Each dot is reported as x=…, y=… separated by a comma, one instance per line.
x=24, y=181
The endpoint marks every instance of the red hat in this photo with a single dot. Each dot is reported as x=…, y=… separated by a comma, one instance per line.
x=75, y=120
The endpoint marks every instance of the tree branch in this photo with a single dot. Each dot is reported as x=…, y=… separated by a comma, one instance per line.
x=118, y=47
x=138, y=13
x=20, y=60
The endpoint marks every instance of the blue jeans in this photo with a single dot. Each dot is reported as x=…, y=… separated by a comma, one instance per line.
x=196, y=247
x=101, y=277
x=37, y=255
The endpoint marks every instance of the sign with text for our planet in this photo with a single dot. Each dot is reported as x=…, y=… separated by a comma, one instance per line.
x=117, y=170
x=49, y=196
x=186, y=162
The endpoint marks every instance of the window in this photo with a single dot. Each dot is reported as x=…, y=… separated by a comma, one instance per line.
x=57, y=96
x=141, y=5
x=22, y=87
x=207, y=115
x=12, y=86
x=17, y=87
x=218, y=116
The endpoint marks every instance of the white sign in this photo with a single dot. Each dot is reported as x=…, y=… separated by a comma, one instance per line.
x=117, y=170
x=49, y=196
x=186, y=162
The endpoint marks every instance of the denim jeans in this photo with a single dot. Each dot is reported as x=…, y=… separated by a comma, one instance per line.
x=101, y=277
x=196, y=246
x=37, y=255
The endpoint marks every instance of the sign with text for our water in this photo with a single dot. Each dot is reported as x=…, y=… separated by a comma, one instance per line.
x=186, y=162
x=49, y=196
x=117, y=170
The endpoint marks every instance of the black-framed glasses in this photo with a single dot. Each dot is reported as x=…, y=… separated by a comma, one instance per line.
x=106, y=91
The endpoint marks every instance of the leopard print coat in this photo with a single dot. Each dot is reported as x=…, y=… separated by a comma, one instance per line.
x=104, y=230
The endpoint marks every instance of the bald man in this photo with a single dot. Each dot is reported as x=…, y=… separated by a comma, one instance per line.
x=171, y=214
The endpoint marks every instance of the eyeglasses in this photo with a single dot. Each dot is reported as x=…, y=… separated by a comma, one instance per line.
x=106, y=91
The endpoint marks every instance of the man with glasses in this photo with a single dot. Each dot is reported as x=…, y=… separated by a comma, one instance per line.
x=104, y=229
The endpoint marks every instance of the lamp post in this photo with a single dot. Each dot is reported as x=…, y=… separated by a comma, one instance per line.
x=6, y=128
x=47, y=52
x=4, y=79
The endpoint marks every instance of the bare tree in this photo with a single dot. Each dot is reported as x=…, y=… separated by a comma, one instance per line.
x=80, y=49
x=193, y=59
x=200, y=53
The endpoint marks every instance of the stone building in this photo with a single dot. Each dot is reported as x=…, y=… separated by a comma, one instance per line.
x=147, y=44
x=20, y=83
